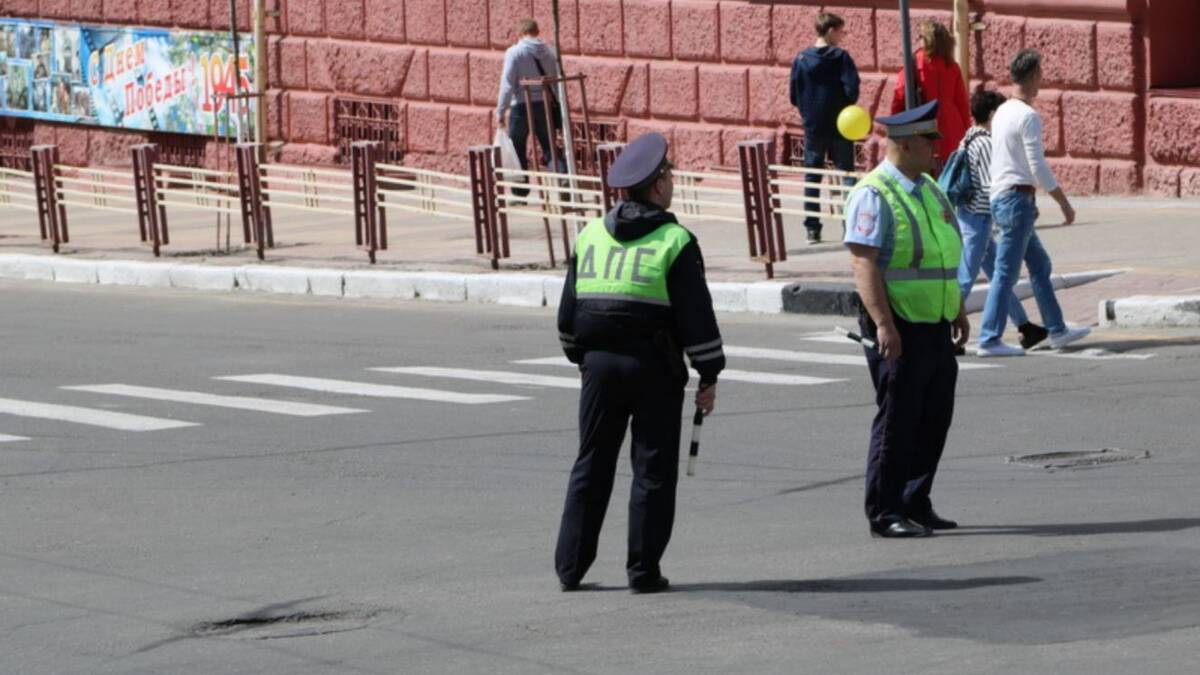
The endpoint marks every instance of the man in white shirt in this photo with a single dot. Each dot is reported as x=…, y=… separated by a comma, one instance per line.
x=1018, y=166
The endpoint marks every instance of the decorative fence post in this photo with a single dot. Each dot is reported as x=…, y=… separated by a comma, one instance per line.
x=152, y=217
x=491, y=224
x=52, y=216
x=764, y=227
x=256, y=215
x=370, y=227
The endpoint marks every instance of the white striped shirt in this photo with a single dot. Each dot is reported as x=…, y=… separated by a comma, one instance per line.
x=978, y=143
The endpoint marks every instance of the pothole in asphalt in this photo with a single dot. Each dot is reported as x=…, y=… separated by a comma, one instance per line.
x=291, y=625
x=1079, y=459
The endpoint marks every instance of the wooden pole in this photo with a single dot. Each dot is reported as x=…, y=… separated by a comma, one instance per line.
x=962, y=39
x=910, y=66
x=260, y=73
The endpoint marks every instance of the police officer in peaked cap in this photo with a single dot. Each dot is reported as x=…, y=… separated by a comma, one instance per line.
x=905, y=248
x=634, y=302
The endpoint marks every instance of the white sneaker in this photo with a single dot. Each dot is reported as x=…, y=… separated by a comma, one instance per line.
x=999, y=349
x=1060, y=340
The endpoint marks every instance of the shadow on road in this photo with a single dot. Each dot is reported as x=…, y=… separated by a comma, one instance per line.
x=1078, y=529
x=1052, y=597
x=859, y=585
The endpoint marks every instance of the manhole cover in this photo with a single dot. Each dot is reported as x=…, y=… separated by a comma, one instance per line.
x=278, y=626
x=1078, y=459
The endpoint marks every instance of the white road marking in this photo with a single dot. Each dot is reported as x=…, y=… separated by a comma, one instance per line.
x=201, y=398
x=90, y=416
x=5, y=438
x=498, y=376
x=819, y=357
x=726, y=375
x=1086, y=354
x=370, y=389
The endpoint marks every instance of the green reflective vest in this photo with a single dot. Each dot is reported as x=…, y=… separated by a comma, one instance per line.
x=635, y=270
x=922, y=275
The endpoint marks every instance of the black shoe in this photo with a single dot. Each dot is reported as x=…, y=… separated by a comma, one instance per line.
x=656, y=585
x=1031, y=334
x=899, y=529
x=814, y=236
x=569, y=587
x=933, y=521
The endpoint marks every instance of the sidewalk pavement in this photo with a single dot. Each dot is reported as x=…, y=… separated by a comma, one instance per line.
x=1156, y=240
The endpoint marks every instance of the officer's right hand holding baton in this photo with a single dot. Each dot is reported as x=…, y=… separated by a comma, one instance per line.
x=706, y=397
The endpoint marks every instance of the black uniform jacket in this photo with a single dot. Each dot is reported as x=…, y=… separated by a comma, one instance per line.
x=687, y=326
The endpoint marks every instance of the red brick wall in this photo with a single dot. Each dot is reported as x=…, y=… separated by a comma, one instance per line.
x=707, y=73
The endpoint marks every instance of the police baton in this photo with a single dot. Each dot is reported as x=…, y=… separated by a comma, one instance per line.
x=864, y=341
x=694, y=450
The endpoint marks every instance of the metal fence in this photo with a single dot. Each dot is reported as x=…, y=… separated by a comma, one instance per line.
x=761, y=196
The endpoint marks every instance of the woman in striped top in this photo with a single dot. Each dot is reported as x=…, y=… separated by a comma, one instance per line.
x=975, y=216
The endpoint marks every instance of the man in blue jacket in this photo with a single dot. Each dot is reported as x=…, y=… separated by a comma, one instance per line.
x=824, y=81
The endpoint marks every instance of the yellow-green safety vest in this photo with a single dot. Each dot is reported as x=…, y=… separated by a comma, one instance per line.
x=635, y=271
x=922, y=275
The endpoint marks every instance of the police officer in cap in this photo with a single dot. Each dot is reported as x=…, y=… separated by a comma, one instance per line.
x=634, y=302
x=905, y=247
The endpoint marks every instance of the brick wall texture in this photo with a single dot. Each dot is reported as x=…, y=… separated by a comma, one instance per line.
x=708, y=73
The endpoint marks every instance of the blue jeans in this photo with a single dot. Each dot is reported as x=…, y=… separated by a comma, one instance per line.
x=980, y=251
x=1015, y=214
x=518, y=131
x=816, y=148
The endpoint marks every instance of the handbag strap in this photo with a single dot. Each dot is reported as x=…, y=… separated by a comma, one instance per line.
x=547, y=91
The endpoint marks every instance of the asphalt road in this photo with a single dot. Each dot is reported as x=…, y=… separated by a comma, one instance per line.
x=408, y=526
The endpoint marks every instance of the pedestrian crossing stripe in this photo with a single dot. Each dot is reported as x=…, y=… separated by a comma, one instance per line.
x=201, y=398
x=821, y=357
x=5, y=438
x=728, y=374
x=496, y=376
x=89, y=416
x=370, y=389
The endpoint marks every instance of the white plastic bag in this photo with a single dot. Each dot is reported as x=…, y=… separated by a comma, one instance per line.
x=508, y=153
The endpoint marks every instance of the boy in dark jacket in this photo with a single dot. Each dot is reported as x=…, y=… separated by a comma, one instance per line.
x=824, y=81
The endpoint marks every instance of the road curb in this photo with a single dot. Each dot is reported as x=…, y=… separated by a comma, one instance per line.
x=831, y=298
x=502, y=288
x=520, y=289
x=1151, y=311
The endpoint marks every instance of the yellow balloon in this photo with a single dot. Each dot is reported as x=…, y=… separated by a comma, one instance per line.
x=854, y=123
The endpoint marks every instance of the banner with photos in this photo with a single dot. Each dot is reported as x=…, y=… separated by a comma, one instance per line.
x=149, y=79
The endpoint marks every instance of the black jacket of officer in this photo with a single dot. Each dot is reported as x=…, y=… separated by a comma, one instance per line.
x=688, y=325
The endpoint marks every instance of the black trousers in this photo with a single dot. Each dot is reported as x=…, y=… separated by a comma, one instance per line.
x=616, y=389
x=915, y=396
x=816, y=149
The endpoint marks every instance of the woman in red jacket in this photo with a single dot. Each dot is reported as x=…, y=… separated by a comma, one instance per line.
x=938, y=77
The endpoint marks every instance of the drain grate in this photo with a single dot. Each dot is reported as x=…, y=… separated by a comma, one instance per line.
x=1079, y=459
x=274, y=627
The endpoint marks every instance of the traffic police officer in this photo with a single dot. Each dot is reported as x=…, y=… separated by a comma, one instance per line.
x=635, y=300
x=905, y=248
